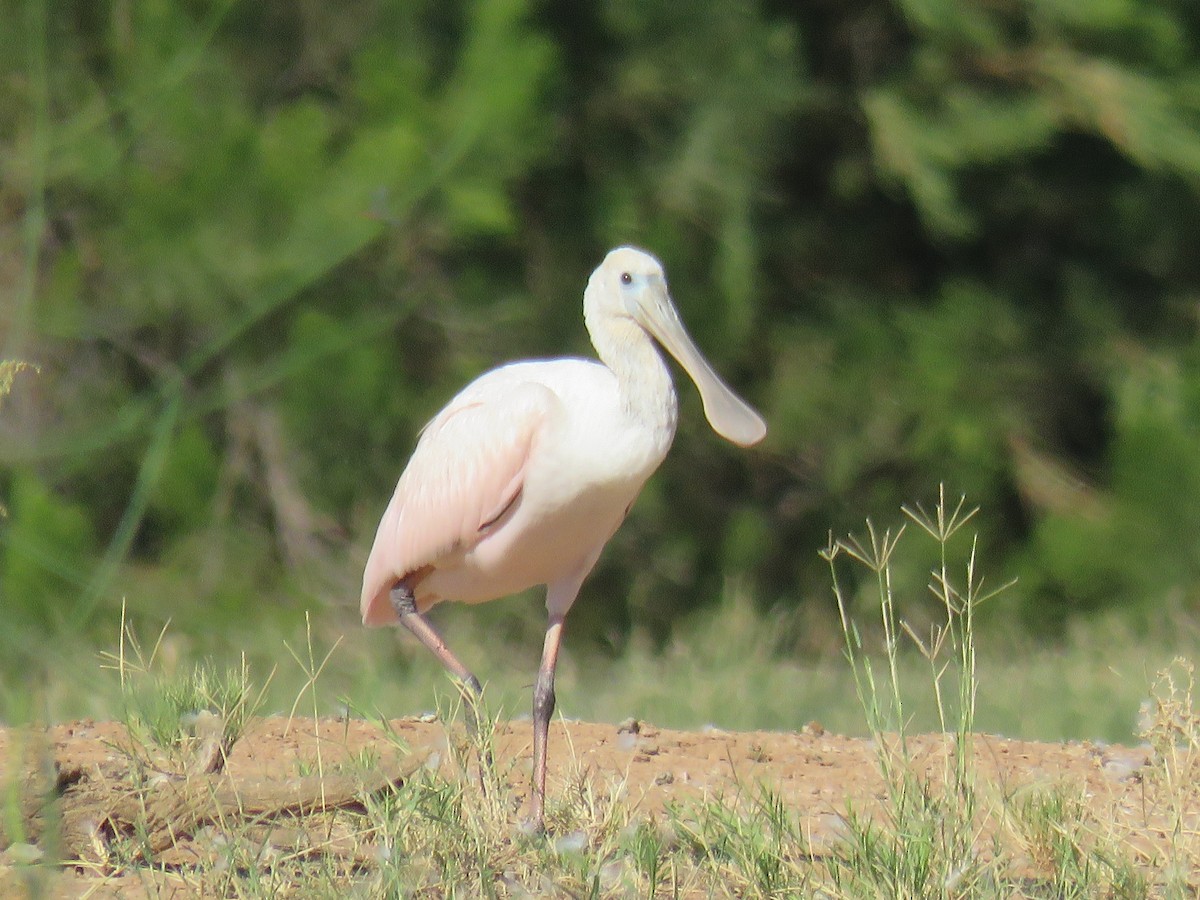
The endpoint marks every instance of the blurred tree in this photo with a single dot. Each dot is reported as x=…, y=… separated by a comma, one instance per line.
x=254, y=246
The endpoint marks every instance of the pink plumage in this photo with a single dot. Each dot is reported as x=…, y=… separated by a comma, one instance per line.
x=526, y=474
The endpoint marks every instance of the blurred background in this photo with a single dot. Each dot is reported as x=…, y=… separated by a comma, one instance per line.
x=253, y=246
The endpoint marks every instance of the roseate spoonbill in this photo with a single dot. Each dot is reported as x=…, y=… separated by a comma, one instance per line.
x=526, y=474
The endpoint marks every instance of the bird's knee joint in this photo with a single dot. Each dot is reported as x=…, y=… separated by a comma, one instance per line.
x=543, y=698
x=404, y=601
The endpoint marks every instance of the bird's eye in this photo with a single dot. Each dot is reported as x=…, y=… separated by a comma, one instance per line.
x=626, y=278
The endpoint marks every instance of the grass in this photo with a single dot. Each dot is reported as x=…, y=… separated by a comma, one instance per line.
x=1091, y=686
x=1075, y=854
x=925, y=843
x=939, y=829
x=1172, y=728
x=202, y=711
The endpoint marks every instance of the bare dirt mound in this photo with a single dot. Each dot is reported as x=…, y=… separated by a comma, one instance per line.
x=82, y=787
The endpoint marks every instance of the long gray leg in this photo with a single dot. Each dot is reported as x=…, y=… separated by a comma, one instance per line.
x=543, y=709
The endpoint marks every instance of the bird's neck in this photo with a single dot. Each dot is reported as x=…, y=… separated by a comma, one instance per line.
x=643, y=379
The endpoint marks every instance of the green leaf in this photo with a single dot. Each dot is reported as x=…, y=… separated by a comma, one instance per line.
x=46, y=547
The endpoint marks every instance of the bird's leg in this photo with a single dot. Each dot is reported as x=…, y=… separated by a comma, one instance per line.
x=543, y=709
x=405, y=604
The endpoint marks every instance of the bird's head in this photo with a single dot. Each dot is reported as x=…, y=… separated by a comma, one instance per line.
x=630, y=288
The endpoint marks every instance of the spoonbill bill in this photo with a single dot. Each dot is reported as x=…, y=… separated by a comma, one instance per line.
x=523, y=478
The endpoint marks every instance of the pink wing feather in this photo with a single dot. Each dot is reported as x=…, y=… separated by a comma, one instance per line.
x=467, y=468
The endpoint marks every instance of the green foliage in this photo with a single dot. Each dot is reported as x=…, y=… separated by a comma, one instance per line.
x=1128, y=546
x=48, y=544
x=184, y=488
x=932, y=239
x=9, y=369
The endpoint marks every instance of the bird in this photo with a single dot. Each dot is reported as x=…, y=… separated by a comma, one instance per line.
x=527, y=473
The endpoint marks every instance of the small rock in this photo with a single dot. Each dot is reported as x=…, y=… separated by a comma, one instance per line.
x=23, y=855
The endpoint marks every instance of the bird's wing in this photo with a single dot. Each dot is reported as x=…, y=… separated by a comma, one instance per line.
x=467, y=470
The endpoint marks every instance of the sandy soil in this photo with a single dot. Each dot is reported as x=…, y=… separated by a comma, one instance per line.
x=817, y=774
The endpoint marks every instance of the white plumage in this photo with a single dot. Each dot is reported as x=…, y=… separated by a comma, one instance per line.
x=522, y=479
